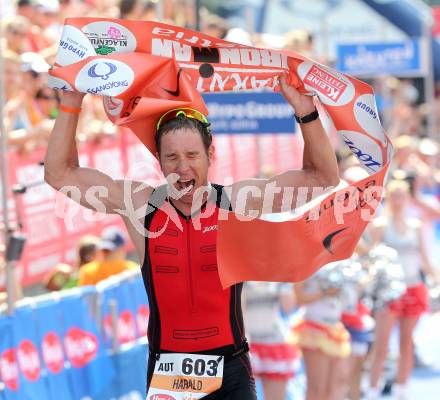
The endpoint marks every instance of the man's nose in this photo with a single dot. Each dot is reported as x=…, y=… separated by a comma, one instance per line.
x=182, y=166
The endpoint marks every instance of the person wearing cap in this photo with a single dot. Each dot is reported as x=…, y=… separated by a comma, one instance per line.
x=112, y=259
x=190, y=312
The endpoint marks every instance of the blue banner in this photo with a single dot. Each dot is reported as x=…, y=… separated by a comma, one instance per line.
x=374, y=59
x=249, y=113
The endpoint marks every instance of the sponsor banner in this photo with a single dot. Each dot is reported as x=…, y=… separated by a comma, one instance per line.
x=374, y=59
x=249, y=113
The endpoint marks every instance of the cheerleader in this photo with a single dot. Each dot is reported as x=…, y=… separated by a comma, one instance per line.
x=403, y=234
x=324, y=341
x=273, y=360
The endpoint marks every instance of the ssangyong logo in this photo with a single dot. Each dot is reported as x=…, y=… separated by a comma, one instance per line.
x=9, y=369
x=81, y=347
x=52, y=350
x=28, y=360
x=104, y=76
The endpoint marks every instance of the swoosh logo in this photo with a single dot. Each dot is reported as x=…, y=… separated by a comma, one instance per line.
x=327, y=242
x=176, y=92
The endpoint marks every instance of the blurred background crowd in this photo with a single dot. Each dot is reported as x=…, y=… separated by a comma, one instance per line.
x=31, y=32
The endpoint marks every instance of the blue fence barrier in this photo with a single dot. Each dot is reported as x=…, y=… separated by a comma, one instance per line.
x=62, y=346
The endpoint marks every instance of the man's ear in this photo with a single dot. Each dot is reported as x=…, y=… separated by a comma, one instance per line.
x=157, y=156
x=211, y=153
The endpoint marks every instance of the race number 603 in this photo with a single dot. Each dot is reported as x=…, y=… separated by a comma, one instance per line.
x=199, y=367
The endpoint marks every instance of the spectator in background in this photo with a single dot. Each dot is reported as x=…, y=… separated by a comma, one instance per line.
x=25, y=8
x=137, y=10
x=64, y=276
x=112, y=259
x=15, y=29
x=215, y=26
x=30, y=113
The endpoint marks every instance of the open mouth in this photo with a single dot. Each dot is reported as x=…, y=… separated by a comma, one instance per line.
x=182, y=184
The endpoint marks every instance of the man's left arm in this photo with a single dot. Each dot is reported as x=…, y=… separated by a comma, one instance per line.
x=291, y=188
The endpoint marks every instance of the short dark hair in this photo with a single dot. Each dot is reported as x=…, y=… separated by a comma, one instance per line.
x=182, y=122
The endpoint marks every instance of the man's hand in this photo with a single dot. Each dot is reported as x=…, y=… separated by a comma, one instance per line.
x=72, y=99
x=301, y=103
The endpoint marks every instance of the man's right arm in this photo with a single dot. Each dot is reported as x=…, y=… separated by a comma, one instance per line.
x=61, y=166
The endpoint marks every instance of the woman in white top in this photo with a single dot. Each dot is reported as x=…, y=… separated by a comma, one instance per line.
x=324, y=341
x=397, y=230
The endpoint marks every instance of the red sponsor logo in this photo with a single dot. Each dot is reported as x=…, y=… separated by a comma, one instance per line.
x=324, y=82
x=81, y=347
x=142, y=320
x=126, y=329
x=28, y=360
x=53, y=355
x=161, y=397
x=9, y=369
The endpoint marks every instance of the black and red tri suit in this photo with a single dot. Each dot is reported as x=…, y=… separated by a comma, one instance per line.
x=190, y=312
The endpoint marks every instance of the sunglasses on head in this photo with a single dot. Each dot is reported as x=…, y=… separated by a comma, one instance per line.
x=182, y=112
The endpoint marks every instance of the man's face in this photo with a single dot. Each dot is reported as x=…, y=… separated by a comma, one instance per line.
x=183, y=153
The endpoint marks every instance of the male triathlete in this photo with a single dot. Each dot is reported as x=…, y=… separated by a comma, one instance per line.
x=190, y=312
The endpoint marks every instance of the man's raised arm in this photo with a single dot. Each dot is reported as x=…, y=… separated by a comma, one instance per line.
x=319, y=170
x=61, y=166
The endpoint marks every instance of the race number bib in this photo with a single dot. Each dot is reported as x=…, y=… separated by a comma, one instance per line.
x=180, y=376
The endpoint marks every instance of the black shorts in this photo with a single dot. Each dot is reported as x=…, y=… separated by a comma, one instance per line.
x=238, y=381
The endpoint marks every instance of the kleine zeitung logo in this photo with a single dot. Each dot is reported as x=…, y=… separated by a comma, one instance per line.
x=332, y=87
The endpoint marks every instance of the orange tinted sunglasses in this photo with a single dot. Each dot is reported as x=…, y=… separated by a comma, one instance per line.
x=185, y=112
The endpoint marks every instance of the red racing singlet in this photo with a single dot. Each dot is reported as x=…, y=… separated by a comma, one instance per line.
x=189, y=310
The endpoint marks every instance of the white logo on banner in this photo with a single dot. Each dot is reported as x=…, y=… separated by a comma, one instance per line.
x=332, y=87
x=104, y=76
x=74, y=47
x=366, y=115
x=108, y=37
x=358, y=143
x=58, y=83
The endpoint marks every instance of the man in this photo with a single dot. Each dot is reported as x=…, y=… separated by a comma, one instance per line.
x=111, y=261
x=189, y=310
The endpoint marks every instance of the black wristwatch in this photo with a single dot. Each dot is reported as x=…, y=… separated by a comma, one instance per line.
x=307, y=118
